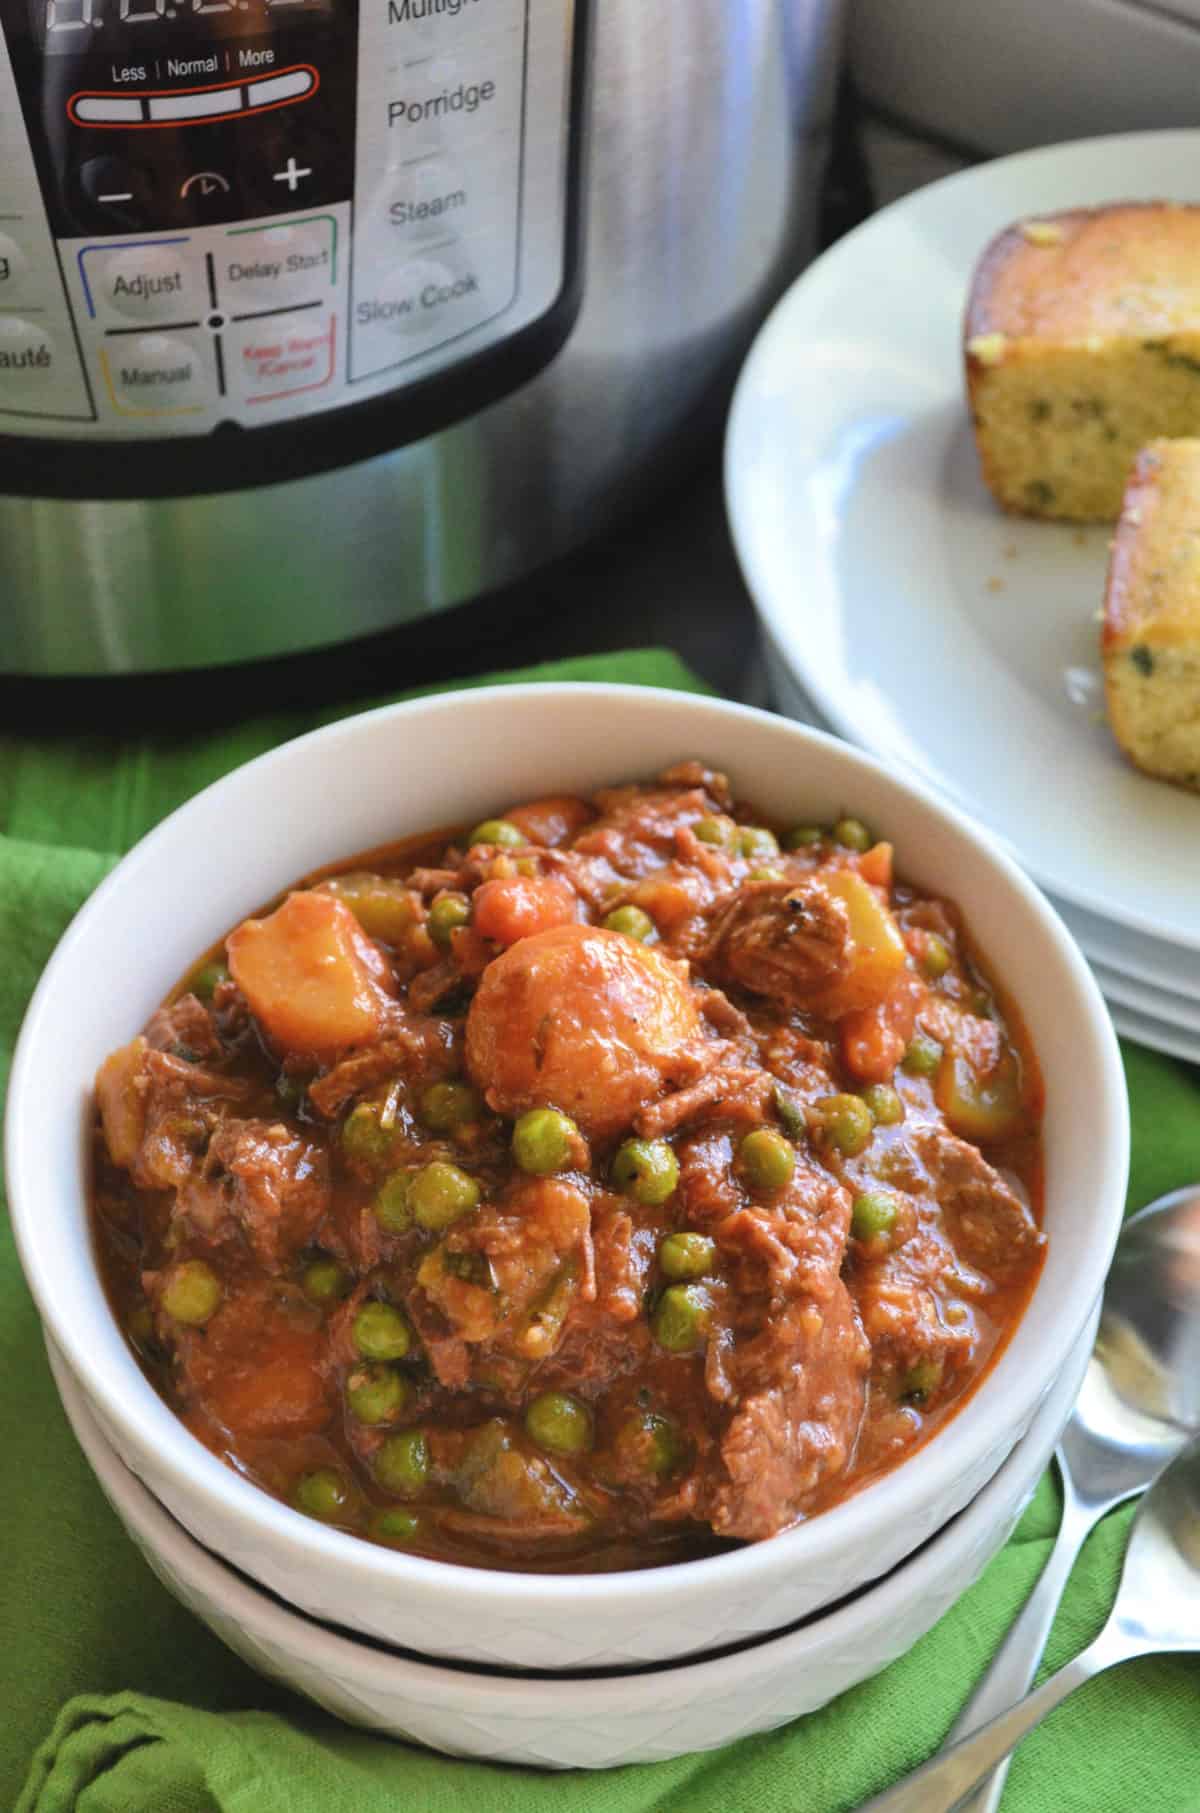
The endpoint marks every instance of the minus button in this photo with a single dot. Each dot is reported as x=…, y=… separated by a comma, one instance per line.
x=125, y=195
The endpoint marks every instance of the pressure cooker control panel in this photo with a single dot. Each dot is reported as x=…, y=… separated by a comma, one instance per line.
x=244, y=211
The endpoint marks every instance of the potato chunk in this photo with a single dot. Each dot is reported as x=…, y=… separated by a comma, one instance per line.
x=313, y=979
x=584, y=1020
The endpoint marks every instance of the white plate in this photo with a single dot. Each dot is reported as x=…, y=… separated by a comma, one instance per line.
x=1146, y=1030
x=925, y=624
x=1164, y=967
x=1119, y=990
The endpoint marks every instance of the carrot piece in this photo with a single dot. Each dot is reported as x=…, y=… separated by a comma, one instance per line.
x=520, y=905
x=875, y=865
x=874, y=1039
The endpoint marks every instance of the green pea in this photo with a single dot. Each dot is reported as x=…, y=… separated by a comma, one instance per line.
x=937, y=957
x=445, y=916
x=499, y=831
x=873, y=1214
x=364, y=1138
x=803, y=837
x=883, y=1105
x=769, y=873
x=687, y=1255
x=325, y=1281
x=377, y=1393
x=682, y=1318
x=845, y=1122
x=633, y=922
x=921, y=1380
x=447, y=1106
x=717, y=831
x=402, y=1464
x=922, y=1057
x=559, y=1423
x=381, y=1332
x=395, y=1527
x=790, y=1110
x=649, y=1443
x=667, y=1447
x=766, y=1159
x=852, y=834
x=192, y=1293
x=140, y=1326
x=207, y=980
x=393, y=1205
x=544, y=1141
x=324, y=1493
x=647, y=1170
x=755, y=842
x=442, y=1193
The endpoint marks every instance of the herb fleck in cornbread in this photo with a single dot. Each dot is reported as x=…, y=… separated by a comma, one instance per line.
x=1151, y=637
x=1083, y=344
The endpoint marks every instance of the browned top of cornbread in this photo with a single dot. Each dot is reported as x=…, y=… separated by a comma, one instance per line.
x=1091, y=273
x=1153, y=591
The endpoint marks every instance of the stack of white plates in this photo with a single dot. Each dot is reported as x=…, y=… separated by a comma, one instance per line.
x=904, y=610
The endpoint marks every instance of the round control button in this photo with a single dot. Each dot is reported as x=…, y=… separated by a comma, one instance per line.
x=277, y=266
x=153, y=374
x=28, y=363
x=428, y=201
x=14, y=270
x=423, y=296
x=119, y=194
x=145, y=283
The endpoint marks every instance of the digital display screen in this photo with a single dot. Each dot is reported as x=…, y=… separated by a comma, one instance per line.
x=75, y=25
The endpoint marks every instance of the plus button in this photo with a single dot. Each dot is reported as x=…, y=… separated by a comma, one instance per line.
x=292, y=175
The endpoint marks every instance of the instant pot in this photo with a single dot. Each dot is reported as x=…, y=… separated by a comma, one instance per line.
x=320, y=316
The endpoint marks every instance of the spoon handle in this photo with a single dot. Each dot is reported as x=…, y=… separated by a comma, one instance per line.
x=940, y=1786
x=1015, y=1662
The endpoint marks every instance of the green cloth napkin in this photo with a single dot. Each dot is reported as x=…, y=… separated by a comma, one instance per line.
x=113, y=1699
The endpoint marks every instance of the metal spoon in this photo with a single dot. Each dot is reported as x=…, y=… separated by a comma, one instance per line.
x=1157, y=1610
x=1140, y=1398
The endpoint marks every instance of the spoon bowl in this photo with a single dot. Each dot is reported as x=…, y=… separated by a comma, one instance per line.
x=1156, y=1612
x=1139, y=1400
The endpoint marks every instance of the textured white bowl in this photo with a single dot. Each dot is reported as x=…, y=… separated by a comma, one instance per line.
x=443, y=761
x=598, y=1723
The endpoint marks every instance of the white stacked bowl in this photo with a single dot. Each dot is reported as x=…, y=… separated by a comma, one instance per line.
x=449, y=760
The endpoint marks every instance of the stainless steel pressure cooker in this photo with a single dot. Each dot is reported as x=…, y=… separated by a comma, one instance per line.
x=319, y=316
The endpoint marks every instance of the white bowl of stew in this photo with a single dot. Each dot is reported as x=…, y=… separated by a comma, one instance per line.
x=694, y=1297
x=602, y=1721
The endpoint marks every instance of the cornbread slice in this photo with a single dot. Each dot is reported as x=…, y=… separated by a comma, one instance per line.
x=1083, y=344
x=1151, y=637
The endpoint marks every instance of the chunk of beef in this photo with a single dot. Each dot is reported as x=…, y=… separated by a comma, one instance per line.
x=505, y=1281
x=184, y=1028
x=268, y=1180
x=157, y=1112
x=730, y=1089
x=784, y=940
x=786, y=1363
x=985, y=1218
x=413, y=1045
x=639, y=827
x=789, y=1437
x=910, y=1307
